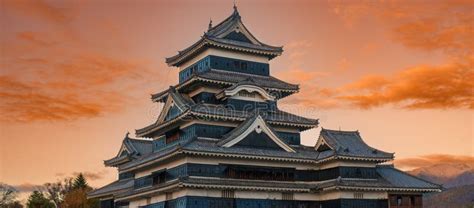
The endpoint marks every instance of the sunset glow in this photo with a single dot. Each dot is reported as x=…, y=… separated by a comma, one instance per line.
x=75, y=76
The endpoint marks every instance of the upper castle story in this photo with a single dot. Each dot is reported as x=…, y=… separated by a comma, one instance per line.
x=224, y=81
x=228, y=61
x=227, y=46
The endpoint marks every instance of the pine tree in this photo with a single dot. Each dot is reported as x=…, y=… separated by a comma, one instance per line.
x=38, y=200
x=80, y=182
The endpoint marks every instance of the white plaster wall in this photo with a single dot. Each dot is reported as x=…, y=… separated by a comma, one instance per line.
x=137, y=203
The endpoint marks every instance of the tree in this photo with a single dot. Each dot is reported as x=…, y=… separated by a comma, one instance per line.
x=15, y=204
x=80, y=182
x=57, y=191
x=8, y=196
x=38, y=200
x=77, y=198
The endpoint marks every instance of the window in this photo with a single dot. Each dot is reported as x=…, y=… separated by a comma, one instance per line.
x=243, y=66
x=399, y=200
x=236, y=64
x=287, y=196
x=159, y=178
x=358, y=195
x=358, y=173
x=228, y=194
x=172, y=136
x=412, y=201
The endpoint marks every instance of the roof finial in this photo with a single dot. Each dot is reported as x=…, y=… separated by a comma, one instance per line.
x=210, y=24
x=126, y=135
x=235, y=8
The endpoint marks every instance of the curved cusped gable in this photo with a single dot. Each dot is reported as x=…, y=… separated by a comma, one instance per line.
x=175, y=105
x=246, y=90
x=254, y=125
x=233, y=28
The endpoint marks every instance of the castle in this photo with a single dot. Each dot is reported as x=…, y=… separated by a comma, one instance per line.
x=221, y=141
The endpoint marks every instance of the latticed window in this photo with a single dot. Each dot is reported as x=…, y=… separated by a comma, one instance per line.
x=287, y=196
x=358, y=195
x=228, y=194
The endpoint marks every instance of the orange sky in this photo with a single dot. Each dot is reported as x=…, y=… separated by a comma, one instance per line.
x=76, y=75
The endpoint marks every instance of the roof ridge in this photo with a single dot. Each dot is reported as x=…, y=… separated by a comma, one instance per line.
x=340, y=131
x=414, y=176
x=141, y=140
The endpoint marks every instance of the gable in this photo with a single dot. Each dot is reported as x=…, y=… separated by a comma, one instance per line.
x=237, y=36
x=173, y=112
x=322, y=145
x=123, y=151
x=256, y=133
x=260, y=140
x=170, y=110
x=248, y=92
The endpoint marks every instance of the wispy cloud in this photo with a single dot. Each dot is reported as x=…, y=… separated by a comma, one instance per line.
x=423, y=86
x=52, y=74
x=420, y=87
x=41, y=10
x=27, y=187
x=93, y=175
x=429, y=160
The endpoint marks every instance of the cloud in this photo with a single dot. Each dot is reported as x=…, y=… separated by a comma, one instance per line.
x=429, y=160
x=92, y=176
x=85, y=86
x=22, y=101
x=420, y=87
x=441, y=25
x=33, y=38
x=27, y=187
x=438, y=27
x=40, y=9
x=45, y=81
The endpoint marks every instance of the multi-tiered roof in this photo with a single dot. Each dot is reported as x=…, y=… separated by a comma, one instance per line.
x=230, y=34
x=235, y=102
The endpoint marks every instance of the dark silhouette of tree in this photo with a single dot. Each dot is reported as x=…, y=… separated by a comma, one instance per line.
x=77, y=195
x=8, y=196
x=80, y=182
x=57, y=191
x=38, y=200
x=15, y=204
x=78, y=198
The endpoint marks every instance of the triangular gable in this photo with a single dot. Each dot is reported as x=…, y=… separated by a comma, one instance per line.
x=255, y=126
x=170, y=109
x=237, y=36
x=123, y=151
x=233, y=28
x=322, y=145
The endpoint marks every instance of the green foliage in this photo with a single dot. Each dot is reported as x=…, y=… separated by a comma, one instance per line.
x=38, y=200
x=80, y=182
x=57, y=191
x=8, y=196
x=15, y=204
